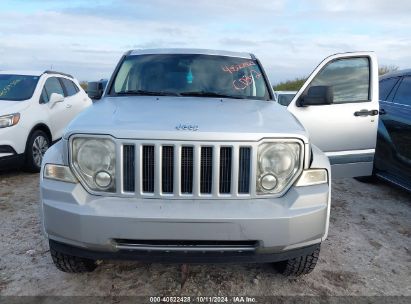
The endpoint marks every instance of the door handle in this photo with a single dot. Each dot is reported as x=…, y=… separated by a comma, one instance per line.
x=382, y=112
x=68, y=106
x=366, y=113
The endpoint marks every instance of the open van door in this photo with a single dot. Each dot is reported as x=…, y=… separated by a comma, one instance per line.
x=338, y=105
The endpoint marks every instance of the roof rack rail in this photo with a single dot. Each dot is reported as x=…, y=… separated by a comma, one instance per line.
x=55, y=72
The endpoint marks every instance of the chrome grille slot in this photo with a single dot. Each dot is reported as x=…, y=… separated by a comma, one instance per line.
x=167, y=169
x=244, y=168
x=187, y=160
x=128, y=168
x=206, y=170
x=148, y=169
x=225, y=169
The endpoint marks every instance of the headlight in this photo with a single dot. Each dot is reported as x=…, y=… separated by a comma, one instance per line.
x=93, y=159
x=278, y=164
x=9, y=120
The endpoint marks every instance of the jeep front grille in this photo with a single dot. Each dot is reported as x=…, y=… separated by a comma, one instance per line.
x=187, y=166
x=167, y=183
x=244, y=170
x=206, y=169
x=148, y=169
x=225, y=170
x=186, y=170
x=128, y=168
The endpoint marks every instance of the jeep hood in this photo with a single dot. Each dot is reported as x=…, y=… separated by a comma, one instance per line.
x=150, y=117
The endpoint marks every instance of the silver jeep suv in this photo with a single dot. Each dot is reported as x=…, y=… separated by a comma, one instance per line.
x=189, y=159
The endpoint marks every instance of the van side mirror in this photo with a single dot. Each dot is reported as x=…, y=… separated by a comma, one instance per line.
x=317, y=95
x=95, y=89
x=55, y=98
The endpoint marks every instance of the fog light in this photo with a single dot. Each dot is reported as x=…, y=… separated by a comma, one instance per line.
x=102, y=179
x=268, y=182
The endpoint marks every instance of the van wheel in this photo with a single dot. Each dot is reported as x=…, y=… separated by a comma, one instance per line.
x=299, y=266
x=71, y=264
x=37, y=145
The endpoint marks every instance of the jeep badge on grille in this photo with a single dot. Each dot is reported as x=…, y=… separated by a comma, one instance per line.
x=187, y=127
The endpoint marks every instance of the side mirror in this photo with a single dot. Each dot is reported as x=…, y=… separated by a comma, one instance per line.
x=95, y=89
x=55, y=98
x=317, y=95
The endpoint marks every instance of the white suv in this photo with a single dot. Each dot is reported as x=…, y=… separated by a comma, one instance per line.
x=35, y=108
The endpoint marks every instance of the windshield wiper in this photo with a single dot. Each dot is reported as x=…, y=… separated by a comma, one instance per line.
x=147, y=93
x=209, y=94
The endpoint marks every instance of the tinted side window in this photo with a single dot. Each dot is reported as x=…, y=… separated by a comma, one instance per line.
x=51, y=86
x=44, y=98
x=403, y=95
x=386, y=86
x=70, y=86
x=349, y=78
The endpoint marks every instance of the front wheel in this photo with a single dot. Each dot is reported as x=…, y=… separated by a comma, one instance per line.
x=70, y=263
x=300, y=265
x=37, y=146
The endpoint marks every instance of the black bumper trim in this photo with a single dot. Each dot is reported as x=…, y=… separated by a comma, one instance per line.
x=183, y=257
x=12, y=161
x=7, y=149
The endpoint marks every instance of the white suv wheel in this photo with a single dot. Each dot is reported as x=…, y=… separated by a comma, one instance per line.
x=39, y=148
x=37, y=145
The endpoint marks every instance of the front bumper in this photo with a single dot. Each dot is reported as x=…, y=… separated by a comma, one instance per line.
x=13, y=140
x=9, y=158
x=93, y=224
x=184, y=256
x=12, y=146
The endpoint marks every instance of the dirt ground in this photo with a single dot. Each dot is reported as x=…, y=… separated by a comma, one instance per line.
x=367, y=253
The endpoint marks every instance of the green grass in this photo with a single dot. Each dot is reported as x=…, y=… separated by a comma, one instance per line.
x=290, y=85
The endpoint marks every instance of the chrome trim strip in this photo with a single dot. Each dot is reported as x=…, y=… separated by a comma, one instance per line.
x=196, y=170
x=137, y=167
x=234, y=168
x=215, y=182
x=177, y=170
x=158, y=174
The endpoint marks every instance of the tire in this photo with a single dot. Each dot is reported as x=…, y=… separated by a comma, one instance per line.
x=37, y=145
x=71, y=264
x=300, y=265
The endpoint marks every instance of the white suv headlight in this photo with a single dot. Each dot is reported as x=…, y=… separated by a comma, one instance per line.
x=278, y=164
x=9, y=120
x=93, y=160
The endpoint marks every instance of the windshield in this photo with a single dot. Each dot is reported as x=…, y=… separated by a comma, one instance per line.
x=190, y=75
x=17, y=87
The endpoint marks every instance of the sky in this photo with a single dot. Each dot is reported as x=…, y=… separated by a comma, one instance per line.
x=87, y=38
